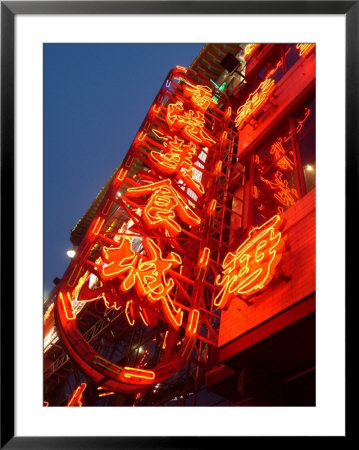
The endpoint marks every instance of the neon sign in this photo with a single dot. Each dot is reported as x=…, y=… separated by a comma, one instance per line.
x=171, y=161
x=122, y=174
x=67, y=305
x=131, y=372
x=212, y=207
x=105, y=394
x=252, y=266
x=164, y=204
x=133, y=253
x=193, y=322
x=301, y=122
x=277, y=150
x=305, y=49
x=279, y=155
x=177, y=161
x=218, y=168
x=249, y=50
x=201, y=96
x=204, y=257
x=191, y=122
x=255, y=102
x=285, y=195
x=148, y=274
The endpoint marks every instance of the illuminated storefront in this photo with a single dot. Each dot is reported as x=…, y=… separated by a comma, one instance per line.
x=195, y=244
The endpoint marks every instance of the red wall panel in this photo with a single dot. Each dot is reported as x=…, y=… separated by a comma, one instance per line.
x=295, y=275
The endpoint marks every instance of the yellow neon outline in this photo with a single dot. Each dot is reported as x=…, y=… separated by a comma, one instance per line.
x=233, y=260
x=147, y=374
x=70, y=315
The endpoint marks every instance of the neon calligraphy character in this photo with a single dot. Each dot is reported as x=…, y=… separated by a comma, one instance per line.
x=191, y=122
x=163, y=205
x=284, y=194
x=305, y=49
x=177, y=160
x=277, y=150
x=187, y=174
x=147, y=273
x=177, y=153
x=249, y=50
x=255, y=102
x=201, y=96
x=252, y=266
x=300, y=123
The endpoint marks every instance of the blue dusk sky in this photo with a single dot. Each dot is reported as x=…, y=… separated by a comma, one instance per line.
x=95, y=98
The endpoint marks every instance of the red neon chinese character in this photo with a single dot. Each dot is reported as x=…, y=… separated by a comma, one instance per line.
x=305, y=49
x=191, y=122
x=177, y=161
x=249, y=50
x=177, y=153
x=163, y=206
x=286, y=196
x=277, y=150
x=148, y=274
x=201, y=96
x=300, y=123
x=255, y=101
x=251, y=267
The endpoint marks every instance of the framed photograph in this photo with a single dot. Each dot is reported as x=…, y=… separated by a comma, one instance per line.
x=175, y=181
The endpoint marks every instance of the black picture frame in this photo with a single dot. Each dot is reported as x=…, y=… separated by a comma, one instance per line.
x=9, y=9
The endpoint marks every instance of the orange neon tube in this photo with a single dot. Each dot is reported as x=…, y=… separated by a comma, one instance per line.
x=97, y=227
x=204, y=258
x=212, y=206
x=128, y=313
x=141, y=136
x=121, y=174
x=218, y=167
x=77, y=396
x=139, y=373
x=165, y=341
x=105, y=394
x=193, y=321
x=67, y=306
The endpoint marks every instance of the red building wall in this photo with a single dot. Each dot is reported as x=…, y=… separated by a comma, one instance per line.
x=295, y=281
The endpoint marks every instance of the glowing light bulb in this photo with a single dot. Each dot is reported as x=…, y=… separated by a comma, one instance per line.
x=309, y=167
x=71, y=253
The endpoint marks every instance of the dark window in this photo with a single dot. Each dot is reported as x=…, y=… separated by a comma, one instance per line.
x=291, y=56
x=307, y=153
x=306, y=143
x=283, y=167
